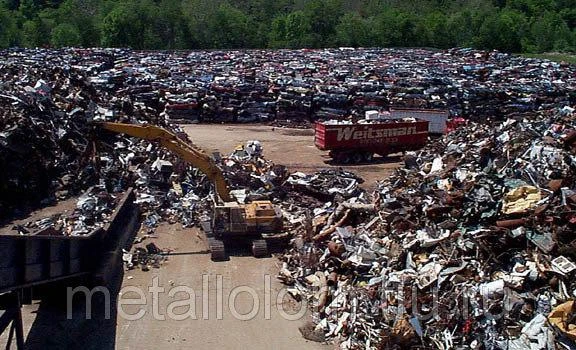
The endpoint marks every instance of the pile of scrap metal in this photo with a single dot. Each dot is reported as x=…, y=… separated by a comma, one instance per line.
x=475, y=232
x=326, y=184
x=470, y=245
x=50, y=151
x=92, y=211
x=250, y=175
x=144, y=257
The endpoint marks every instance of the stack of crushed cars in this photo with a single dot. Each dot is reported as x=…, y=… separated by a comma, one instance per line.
x=470, y=246
x=296, y=87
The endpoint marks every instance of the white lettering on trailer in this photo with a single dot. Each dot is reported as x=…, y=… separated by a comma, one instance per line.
x=352, y=133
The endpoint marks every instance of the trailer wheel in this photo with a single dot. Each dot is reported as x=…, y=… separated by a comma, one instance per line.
x=357, y=157
x=341, y=158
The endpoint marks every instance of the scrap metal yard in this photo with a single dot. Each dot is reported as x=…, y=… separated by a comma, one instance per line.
x=194, y=200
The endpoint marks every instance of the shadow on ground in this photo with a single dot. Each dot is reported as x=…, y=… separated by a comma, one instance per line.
x=92, y=325
x=375, y=161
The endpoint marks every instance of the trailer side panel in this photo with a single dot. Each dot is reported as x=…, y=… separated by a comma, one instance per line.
x=381, y=138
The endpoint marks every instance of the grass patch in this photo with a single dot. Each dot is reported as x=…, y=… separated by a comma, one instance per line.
x=553, y=56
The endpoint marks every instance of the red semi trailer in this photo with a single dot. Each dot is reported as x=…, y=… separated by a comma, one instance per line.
x=358, y=142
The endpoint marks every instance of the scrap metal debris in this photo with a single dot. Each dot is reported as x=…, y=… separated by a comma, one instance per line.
x=93, y=210
x=470, y=246
x=144, y=257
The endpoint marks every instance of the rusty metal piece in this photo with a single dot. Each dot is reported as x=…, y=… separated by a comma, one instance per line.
x=332, y=279
x=541, y=209
x=327, y=232
x=570, y=138
x=323, y=297
x=336, y=249
x=555, y=185
x=513, y=223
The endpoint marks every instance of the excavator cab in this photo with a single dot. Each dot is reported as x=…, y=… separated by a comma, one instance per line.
x=246, y=219
x=250, y=222
x=229, y=219
x=263, y=216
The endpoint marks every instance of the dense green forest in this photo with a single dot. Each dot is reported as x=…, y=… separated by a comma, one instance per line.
x=507, y=25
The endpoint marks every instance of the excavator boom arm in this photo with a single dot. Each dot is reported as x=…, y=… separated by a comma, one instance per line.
x=188, y=152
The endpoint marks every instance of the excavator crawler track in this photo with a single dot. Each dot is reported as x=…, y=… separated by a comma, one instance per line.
x=259, y=248
x=217, y=250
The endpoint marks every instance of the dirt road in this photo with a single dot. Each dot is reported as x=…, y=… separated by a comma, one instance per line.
x=235, y=313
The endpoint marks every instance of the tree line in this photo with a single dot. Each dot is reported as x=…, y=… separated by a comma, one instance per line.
x=506, y=25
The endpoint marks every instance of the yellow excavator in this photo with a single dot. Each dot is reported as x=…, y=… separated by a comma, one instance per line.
x=232, y=222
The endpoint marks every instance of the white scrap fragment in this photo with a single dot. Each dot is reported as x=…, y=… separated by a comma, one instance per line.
x=489, y=289
x=563, y=265
x=341, y=321
x=437, y=165
x=428, y=274
x=534, y=327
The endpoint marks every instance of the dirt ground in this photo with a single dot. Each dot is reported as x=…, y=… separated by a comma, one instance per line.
x=189, y=274
x=189, y=266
